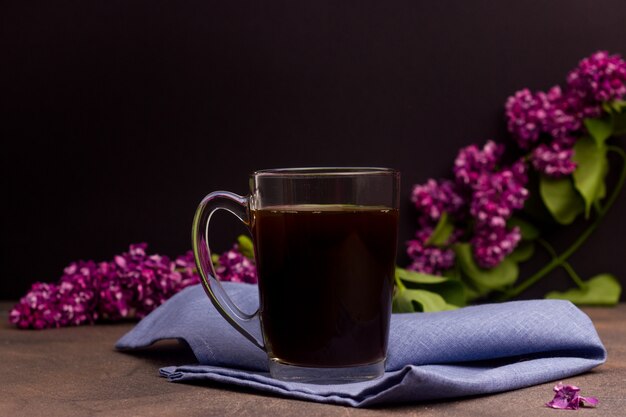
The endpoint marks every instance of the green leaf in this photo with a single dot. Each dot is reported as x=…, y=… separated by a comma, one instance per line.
x=523, y=252
x=453, y=273
x=419, y=277
x=497, y=278
x=591, y=168
x=602, y=290
x=619, y=122
x=245, y=246
x=602, y=190
x=618, y=105
x=528, y=230
x=442, y=231
x=449, y=289
x=472, y=294
x=561, y=198
x=600, y=129
x=408, y=301
x=215, y=258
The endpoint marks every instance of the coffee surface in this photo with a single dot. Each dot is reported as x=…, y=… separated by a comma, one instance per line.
x=325, y=282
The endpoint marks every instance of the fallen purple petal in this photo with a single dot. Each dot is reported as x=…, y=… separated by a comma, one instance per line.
x=567, y=397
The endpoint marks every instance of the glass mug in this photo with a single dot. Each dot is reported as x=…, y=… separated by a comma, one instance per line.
x=325, y=249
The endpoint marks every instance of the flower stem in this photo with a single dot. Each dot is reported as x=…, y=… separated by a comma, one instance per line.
x=566, y=265
x=561, y=259
x=573, y=275
x=548, y=247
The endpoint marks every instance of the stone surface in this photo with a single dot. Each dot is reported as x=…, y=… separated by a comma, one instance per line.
x=76, y=372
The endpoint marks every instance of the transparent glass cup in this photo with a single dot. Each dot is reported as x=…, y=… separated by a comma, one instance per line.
x=325, y=247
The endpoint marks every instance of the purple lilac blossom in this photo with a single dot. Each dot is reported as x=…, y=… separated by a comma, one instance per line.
x=77, y=297
x=114, y=297
x=567, y=397
x=561, y=120
x=526, y=113
x=234, y=266
x=600, y=77
x=545, y=123
x=71, y=302
x=559, y=114
x=492, y=196
x=426, y=258
x=38, y=308
x=136, y=283
x=497, y=194
x=140, y=283
x=554, y=160
x=186, y=265
x=472, y=162
x=492, y=244
x=432, y=199
x=131, y=285
x=435, y=197
x=529, y=115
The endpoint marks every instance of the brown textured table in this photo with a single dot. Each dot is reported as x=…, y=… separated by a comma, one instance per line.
x=76, y=372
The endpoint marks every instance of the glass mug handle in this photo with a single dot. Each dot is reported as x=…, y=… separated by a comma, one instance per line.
x=247, y=324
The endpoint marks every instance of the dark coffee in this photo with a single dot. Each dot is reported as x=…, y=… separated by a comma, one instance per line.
x=325, y=281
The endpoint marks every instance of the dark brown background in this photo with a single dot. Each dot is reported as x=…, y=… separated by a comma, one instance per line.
x=119, y=116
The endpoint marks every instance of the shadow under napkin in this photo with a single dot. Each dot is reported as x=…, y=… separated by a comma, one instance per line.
x=473, y=350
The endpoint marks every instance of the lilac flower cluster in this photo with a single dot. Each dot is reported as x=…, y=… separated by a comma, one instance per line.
x=598, y=78
x=130, y=286
x=428, y=258
x=529, y=115
x=471, y=162
x=492, y=245
x=493, y=196
x=567, y=397
x=482, y=193
x=496, y=194
x=554, y=160
x=234, y=266
x=436, y=197
x=550, y=121
x=432, y=199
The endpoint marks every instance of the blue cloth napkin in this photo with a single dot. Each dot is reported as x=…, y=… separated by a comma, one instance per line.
x=474, y=350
